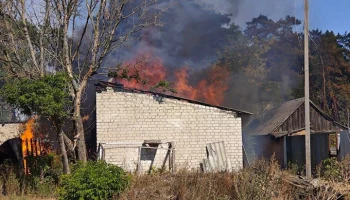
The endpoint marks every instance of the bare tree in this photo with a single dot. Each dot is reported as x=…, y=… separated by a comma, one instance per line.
x=74, y=36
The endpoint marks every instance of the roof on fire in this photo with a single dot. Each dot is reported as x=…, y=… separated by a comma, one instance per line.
x=106, y=83
x=270, y=120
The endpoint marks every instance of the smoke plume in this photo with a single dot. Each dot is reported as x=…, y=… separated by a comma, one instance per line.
x=194, y=32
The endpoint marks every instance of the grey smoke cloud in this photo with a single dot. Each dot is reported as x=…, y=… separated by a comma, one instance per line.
x=194, y=30
x=191, y=36
x=244, y=10
x=221, y=6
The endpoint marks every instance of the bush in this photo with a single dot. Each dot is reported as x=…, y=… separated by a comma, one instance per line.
x=45, y=171
x=9, y=184
x=12, y=185
x=93, y=180
x=293, y=168
x=331, y=170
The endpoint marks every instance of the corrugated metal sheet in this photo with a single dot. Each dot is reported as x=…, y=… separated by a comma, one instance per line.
x=296, y=149
x=344, y=144
x=217, y=159
x=267, y=122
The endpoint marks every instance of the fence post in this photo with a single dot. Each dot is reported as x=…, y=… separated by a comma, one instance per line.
x=39, y=145
x=172, y=156
x=27, y=145
x=139, y=161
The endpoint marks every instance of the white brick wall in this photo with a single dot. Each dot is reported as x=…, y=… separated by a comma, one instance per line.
x=9, y=131
x=124, y=116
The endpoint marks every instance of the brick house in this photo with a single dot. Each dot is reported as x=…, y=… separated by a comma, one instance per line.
x=127, y=118
x=9, y=141
x=9, y=131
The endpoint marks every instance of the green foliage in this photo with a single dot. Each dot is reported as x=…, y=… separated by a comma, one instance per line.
x=47, y=96
x=93, y=180
x=157, y=170
x=45, y=171
x=331, y=169
x=133, y=74
x=329, y=73
x=43, y=177
x=124, y=72
x=293, y=168
x=263, y=59
x=164, y=86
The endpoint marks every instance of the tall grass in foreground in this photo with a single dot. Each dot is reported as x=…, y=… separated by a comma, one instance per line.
x=264, y=180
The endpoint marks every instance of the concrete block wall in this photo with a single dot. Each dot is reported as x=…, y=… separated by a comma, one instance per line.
x=9, y=131
x=126, y=116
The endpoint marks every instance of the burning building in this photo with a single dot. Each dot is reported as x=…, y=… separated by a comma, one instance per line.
x=10, y=144
x=144, y=129
x=17, y=142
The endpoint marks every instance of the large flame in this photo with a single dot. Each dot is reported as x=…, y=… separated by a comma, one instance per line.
x=30, y=146
x=210, y=89
x=26, y=136
x=149, y=69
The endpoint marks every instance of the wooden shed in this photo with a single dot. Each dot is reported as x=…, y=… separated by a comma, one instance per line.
x=281, y=131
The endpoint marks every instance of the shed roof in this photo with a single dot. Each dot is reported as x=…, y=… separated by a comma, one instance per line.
x=117, y=85
x=270, y=120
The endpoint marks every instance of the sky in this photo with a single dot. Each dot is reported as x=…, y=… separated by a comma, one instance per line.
x=324, y=14
x=330, y=15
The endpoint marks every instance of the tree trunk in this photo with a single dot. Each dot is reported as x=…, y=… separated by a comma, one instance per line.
x=70, y=148
x=81, y=146
x=66, y=169
x=325, y=105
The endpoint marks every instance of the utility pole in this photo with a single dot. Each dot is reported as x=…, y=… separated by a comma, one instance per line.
x=307, y=94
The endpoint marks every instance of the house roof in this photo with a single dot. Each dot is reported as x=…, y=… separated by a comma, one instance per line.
x=103, y=84
x=271, y=120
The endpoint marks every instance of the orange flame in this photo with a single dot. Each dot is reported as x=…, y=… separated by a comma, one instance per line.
x=26, y=136
x=28, y=143
x=211, y=89
x=148, y=69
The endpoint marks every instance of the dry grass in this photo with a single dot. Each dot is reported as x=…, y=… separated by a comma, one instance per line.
x=262, y=181
x=24, y=198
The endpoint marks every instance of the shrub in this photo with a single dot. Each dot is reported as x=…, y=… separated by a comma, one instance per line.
x=45, y=171
x=293, y=168
x=93, y=180
x=331, y=170
x=8, y=179
x=258, y=181
x=12, y=185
